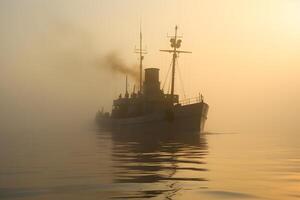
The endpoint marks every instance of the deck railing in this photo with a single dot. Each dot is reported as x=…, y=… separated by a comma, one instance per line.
x=192, y=100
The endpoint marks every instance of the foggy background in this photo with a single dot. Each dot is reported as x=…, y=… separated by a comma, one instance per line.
x=245, y=60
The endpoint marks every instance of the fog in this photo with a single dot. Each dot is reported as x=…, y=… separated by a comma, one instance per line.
x=60, y=61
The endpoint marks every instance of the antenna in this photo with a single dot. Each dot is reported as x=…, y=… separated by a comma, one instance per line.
x=175, y=44
x=126, y=88
x=141, y=52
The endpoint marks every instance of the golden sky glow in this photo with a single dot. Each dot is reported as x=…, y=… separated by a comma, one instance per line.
x=245, y=61
x=245, y=54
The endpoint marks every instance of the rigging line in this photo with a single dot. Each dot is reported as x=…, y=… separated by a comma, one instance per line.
x=180, y=78
x=167, y=75
x=169, y=88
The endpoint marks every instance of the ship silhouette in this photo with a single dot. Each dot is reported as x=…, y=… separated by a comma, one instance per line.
x=150, y=109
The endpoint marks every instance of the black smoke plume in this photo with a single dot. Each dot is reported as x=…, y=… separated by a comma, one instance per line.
x=116, y=64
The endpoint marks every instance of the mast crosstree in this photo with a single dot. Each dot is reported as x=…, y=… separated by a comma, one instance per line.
x=175, y=44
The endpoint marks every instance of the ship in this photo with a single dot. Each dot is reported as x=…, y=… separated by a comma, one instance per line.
x=150, y=109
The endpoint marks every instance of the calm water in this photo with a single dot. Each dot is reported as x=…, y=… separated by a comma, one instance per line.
x=86, y=163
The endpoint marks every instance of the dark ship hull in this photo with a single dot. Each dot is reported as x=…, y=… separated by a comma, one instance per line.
x=188, y=118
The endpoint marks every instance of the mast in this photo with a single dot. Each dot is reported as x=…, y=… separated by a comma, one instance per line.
x=175, y=44
x=126, y=88
x=141, y=51
x=174, y=59
x=141, y=60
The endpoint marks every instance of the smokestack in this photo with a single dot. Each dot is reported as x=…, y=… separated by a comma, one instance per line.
x=151, y=84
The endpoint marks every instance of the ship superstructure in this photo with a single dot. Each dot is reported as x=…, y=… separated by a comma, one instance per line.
x=150, y=109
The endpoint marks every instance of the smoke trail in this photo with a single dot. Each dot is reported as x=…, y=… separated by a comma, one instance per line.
x=116, y=64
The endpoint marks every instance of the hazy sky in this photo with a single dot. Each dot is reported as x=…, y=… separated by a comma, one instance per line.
x=245, y=60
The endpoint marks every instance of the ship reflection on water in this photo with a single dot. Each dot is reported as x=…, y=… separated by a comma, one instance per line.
x=152, y=165
x=94, y=164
